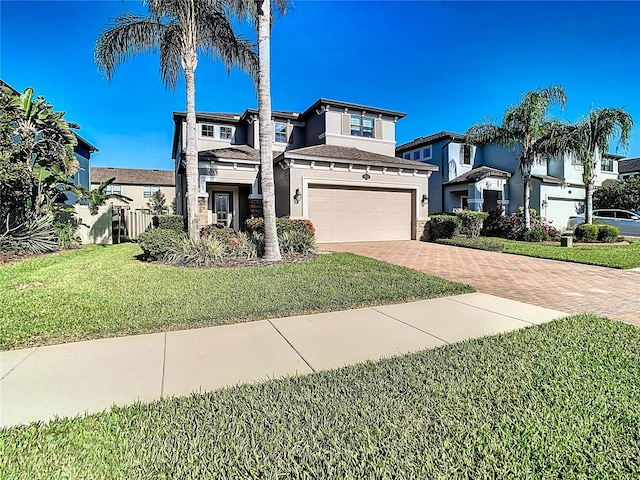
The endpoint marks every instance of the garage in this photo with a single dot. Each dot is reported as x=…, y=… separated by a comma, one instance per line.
x=560, y=209
x=353, y=214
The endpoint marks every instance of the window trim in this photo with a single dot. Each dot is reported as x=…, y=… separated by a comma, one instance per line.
x=284, y=132
x=213, y=130
x=230, y=132
x=360, y=127
x=424, y=155
x=151, y=190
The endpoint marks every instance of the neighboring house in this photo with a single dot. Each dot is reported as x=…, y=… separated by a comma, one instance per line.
x=82, y=177
x=628, y=168
x=137, y=184
x=484, y=177
x=334, y=164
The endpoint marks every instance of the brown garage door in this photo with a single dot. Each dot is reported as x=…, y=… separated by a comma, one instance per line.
x=350, y=214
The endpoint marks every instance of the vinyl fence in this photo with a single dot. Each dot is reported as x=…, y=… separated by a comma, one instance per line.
x=128, y=225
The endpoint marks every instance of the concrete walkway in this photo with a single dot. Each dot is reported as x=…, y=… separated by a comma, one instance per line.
x=38, y=384
x=569, y=287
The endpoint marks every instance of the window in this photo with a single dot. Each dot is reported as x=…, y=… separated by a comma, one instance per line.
x=426, y=153
x=466, y=154
x=281, y=132
x=574, y=159
x=225, y=133
x=416, y=155
x=606, y=164
x=114, y=189
x=407, y=156
x=207, y=131
x=362, y=126
x=149, y=190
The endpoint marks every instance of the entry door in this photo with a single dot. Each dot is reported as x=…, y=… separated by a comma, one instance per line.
x=221, y=205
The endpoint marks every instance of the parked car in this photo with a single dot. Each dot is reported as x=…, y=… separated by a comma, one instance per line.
x=628, y=221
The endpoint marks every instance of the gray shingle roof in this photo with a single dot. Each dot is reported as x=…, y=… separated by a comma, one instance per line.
x=424, y=141
x=233, y=152
x=354, y=155
x=629, y=165
x=354, y=106
x=133, y=176
x=549, y=179
x=478, y=173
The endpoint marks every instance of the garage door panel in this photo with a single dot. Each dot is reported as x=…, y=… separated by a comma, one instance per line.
x=354, y=214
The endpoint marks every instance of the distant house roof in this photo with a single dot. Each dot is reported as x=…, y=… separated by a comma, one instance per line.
x=428, y=140
x=337, y=103
x=478, y=173
x=629, y=165
x=133, y=176
x=353, y=155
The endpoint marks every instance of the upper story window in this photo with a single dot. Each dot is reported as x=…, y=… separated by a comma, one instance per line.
x=466, y=154
x=225, y=133
x=606, y=164
x=280, y=132
x=150, y=190
x=207, y=131
x=407, y=156
x=362, y=126
x=114, y=189
x=574, y=159
x=416, y=155
x=426, y=153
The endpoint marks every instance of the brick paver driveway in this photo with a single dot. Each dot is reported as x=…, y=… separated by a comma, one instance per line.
x=569, y=287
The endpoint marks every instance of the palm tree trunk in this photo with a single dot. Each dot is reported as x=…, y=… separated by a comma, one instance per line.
x=588, y=208
x=271, y=247
x=526, y=180
x=191, y=154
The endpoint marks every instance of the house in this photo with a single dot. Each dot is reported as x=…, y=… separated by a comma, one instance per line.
x=483, y=177
x=628, y=168
x=334, y=164
x=135, y=183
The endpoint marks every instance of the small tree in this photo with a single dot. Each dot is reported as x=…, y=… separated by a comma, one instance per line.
x=623, y=194
x=157, y=203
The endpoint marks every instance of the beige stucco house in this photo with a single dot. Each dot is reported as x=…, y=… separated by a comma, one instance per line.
x=334, y=164
x=137, y=184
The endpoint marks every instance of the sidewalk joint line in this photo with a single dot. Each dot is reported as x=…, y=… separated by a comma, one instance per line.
x=164, y=364
x=294, y=348
x=498, y=313
x=409, y=325
x=19, y=363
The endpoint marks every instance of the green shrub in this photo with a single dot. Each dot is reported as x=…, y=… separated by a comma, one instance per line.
x=297, y=242
x=169, y=222
x=283, y=224
x=198, y=252
x=294, y=235
x=67, y=233
x=443, y=226
x=479, y=243
x=536, y=234
x=497, y=224
x=471, y=222
x=586, y=232
x=156, y=242
x=33, y=234
x=224, y=234
x=246, y=246
x=608, y=233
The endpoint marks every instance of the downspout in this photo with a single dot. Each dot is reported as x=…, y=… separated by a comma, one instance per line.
x=442, y=169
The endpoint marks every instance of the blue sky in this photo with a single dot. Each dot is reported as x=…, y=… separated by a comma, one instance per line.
x=447, y=65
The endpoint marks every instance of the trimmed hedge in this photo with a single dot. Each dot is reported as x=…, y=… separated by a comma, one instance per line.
x=586, y=232
x=479, y=243
x=536, y=234
x=156, y=242
x=608, y=233
x=443, y=226
x=283, y=224
x=169, y=222
x=471, y=222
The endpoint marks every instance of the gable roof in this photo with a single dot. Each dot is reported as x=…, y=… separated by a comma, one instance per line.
x=629, y=165
x=337, y=103
x=478, y=173
x=429, y=139
x=353, y=155
x=133, y=176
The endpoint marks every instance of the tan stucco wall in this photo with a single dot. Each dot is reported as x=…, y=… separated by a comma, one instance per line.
x=136, y=193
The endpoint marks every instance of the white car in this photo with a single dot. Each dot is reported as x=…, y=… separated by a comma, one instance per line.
x=628, y=221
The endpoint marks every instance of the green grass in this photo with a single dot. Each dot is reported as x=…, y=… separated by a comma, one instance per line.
x=99, y=292
x=559, y=400
x=605, y=255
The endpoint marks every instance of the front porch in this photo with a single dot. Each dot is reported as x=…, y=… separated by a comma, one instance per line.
x=479, y=190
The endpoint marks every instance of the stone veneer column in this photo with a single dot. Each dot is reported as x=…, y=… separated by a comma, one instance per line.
x=203, y=211
x=255, y=207
x=421, y=234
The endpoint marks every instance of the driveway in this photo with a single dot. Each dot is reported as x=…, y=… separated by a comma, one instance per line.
x=565, y=286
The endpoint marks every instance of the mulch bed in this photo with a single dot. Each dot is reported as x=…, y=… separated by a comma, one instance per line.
x=258, y=262
x=7, y=258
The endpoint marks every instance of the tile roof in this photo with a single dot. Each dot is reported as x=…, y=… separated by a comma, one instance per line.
x=133, y=176
x=629, y=165
x=353, y=155
x=424, y=141
x=478, y=173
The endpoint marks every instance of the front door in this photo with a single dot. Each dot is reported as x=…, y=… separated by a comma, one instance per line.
x=221, y=207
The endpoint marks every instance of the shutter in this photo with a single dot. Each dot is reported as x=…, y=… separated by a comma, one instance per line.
x=346, y=124
x=289, y=133
x=377, y=128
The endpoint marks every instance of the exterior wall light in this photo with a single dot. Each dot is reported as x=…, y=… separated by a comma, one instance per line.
x=366, y=176
x=297, y=196
x=425, y=199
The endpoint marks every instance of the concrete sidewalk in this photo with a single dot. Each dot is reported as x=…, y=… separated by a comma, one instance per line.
x=38, y=384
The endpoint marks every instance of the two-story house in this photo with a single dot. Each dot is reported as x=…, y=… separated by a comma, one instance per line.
x=629, y=168
x=334, y=164
x=483, y=177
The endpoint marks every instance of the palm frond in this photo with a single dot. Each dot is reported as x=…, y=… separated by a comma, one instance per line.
x=171, y=55
x=487, y=133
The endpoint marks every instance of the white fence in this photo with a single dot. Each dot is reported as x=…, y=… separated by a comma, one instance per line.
x=110, y=225
x=128, y=225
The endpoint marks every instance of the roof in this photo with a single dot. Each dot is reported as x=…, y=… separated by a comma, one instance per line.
x=549, y=179
x=353, y=155
x=354, y=106
x=428, y=140
x=232, y=152
x=211, y=116
x=133, y=176
x=629, y=165
x=274, y=113
x=82, y=141
x=478, y=173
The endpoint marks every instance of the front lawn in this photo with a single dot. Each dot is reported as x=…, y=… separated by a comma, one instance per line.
x=103, y=291
x=559, y=400
x=606, y=255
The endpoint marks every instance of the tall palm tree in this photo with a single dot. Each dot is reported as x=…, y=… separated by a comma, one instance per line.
x=179, y=30
x=523, y=125
x=260, y=13
x=589, y=140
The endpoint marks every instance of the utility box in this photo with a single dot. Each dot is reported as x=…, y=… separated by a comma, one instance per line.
x=566, y=241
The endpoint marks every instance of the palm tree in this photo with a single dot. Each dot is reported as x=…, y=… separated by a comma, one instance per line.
x=523, y=125
x=589, y=139
x=179, y=30
x=259, y=12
